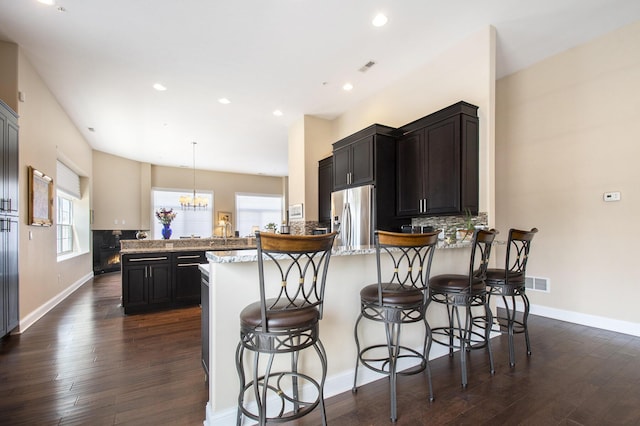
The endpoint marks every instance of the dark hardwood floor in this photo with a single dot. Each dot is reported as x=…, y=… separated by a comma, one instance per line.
x=86, y=363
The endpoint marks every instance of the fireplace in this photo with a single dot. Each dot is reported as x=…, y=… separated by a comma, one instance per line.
x=106, y=249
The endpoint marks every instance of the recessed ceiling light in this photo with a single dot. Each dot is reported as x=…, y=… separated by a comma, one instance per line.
x=159, y=87
x=347, y=86
x=379, y=20
x=224, y=101
x=277, y=113
x=47, y=2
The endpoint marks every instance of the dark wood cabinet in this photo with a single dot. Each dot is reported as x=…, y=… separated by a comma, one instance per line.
x=186, y=267
x=325, y=187
x=160, y=280
x=368, y=157
x=355, y=157
x=9, y=297
x=9, y=220
x=146, y=282
x=437, y=163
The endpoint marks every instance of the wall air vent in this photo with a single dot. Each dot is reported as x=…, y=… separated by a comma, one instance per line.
x=537, y=284
x=366, y=67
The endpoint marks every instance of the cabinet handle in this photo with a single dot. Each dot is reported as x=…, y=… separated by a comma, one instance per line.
x=426, y=200
x=150, y=272
x=145, y=259
x=195, y=256
x=182, y=265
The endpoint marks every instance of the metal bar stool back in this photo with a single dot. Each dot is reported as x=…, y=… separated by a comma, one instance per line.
x=292, y=272
x=465, y=292
x=399, y=297
x=509, y=283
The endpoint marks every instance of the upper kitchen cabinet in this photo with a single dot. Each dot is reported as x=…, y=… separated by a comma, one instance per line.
x=325, y=187
x=437, y=163
x=366, y=157
x=9, y=161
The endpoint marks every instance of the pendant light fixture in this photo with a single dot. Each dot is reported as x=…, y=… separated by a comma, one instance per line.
x=195, y=202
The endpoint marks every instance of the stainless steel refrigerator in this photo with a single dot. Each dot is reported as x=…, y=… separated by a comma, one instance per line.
x=352, y=216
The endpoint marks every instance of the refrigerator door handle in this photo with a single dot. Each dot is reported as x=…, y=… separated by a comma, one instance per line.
x=346, y=226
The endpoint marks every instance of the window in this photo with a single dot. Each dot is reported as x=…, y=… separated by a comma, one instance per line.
x=256, y=210
x=188, y=222
x=64, y=223
x=73, y=227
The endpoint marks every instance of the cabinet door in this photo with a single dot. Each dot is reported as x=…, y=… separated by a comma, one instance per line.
x=341, y=167
x=325, y=187
x=442, y=171
x=11, y=172
x=11, y=273
x=362, y=161
x=159, y=283
x=409, y=191
x=187, y=276
x=134, y=288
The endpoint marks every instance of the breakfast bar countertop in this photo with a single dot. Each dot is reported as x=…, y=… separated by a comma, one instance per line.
x=221, y=255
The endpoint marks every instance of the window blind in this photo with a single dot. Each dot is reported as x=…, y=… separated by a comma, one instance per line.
x=68, y=180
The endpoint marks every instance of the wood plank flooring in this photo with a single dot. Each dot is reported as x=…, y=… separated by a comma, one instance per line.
x=85, y=363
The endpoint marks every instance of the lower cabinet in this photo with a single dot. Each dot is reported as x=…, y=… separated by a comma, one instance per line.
x=186, y=267
x=153, y=281
x=9, y=318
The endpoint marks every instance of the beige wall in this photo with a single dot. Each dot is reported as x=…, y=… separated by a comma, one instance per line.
x=9, y=74
x=122, y=189
x=317, y=132
x=117, y=192
x=46, y=134
x=567, y=133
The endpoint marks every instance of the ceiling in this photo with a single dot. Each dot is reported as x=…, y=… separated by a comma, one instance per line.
x=101, y=58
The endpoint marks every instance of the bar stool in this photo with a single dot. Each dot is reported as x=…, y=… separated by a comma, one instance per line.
x=465, y=292
x=397, y=299
x=284, y=321
x=509, y=283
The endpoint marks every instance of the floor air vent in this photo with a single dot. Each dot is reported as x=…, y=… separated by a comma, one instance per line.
x=537, y=284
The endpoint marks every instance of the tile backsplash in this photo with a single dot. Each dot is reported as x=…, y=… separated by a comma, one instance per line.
x=447, y=222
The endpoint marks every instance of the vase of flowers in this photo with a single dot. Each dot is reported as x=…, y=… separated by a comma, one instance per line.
x=165, y=216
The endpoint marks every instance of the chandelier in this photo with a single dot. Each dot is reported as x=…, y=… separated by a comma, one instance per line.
x=193, y=201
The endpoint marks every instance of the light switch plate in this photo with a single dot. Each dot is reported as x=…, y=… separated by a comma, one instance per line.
x=611, y=196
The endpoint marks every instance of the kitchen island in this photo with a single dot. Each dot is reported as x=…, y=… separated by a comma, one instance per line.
x=233, y=284
x=165, y=274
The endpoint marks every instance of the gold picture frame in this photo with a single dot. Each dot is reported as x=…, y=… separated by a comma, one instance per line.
x=40, y=198
x=225, y=217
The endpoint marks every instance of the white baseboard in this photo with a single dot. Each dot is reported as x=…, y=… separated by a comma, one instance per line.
x=619, y=326
x=34, y=316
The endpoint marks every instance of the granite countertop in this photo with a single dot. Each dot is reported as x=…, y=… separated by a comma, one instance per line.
x=239, y=256
x=186, y=244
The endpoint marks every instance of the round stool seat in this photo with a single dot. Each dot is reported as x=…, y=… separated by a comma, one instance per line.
x=455, y=283
x=497, y=277
x=392, y=295
x=279, y=319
